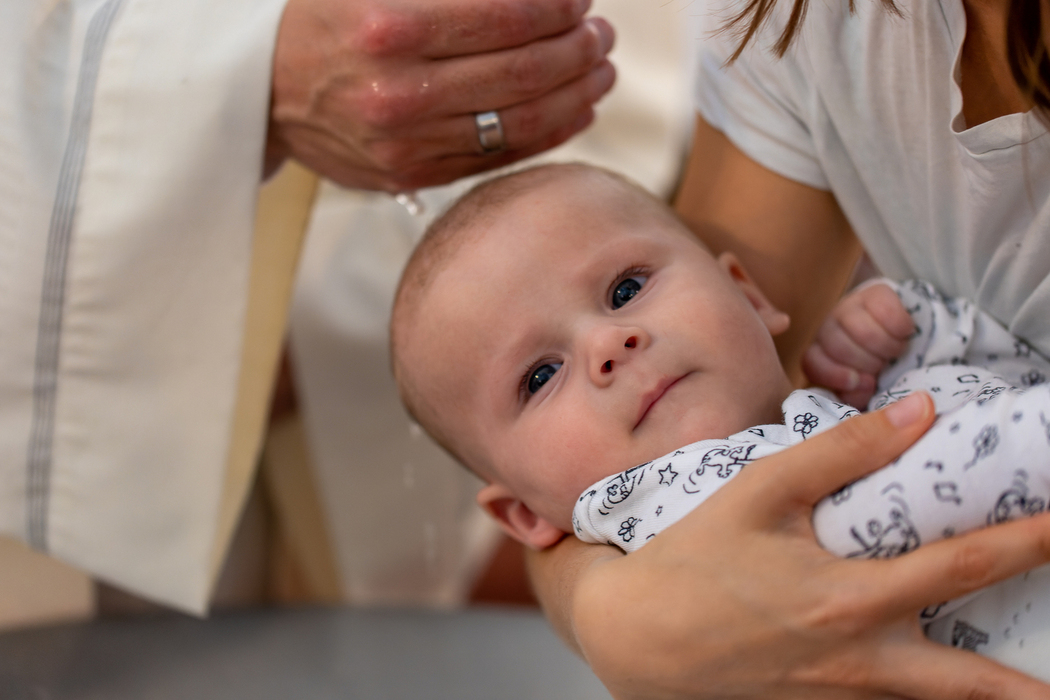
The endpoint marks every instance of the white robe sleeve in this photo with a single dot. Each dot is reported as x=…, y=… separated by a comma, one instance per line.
x=131, y=142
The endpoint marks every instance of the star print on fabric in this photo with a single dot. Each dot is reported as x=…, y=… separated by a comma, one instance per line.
x=667, y=475
x=659, y=510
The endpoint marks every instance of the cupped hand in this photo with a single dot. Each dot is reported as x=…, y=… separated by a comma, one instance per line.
x=866, y=329
x=381, y=94
x=738, y=601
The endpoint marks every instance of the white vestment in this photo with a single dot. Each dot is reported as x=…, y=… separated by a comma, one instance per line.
x=131, y=142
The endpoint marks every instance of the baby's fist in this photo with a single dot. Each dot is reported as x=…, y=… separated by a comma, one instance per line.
x=866, y=329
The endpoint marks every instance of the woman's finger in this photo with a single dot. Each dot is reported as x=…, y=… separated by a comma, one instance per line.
x=928, y=671
x=802, y=475
x=950, y=568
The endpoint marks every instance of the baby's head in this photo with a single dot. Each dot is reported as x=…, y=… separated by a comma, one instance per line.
x=560, y=324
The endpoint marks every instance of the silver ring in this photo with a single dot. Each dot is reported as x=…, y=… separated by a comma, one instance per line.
x=490, y=132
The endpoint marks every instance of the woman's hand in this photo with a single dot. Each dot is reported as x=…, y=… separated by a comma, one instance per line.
x=381, y=94
x=738, y=601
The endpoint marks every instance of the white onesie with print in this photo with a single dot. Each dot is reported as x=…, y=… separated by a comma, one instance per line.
x=985, y=460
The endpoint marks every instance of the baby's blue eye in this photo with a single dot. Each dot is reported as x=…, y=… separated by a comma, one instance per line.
x=626, y=290
x=539, y=376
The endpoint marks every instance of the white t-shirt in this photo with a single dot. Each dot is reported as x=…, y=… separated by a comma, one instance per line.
x=868, y=106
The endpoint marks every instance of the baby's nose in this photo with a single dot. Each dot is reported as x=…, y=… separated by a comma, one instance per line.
x=629, y=344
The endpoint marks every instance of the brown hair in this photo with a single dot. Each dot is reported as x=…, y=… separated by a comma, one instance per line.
x=1028, y=27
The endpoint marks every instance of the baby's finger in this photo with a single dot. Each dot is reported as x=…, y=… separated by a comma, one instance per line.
x=950, y=568
x=887, y=309
x=868, y=332
x=837, y=341
x=842, y=379
x=802, y=475
x=928, y=671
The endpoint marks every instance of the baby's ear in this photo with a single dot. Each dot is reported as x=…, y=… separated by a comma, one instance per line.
x=776, y=320
x=516, y=518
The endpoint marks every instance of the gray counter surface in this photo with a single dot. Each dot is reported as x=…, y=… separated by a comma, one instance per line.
x=308, y=654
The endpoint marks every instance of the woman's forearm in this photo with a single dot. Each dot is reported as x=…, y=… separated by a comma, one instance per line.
x=738, y=600
x=555, y=574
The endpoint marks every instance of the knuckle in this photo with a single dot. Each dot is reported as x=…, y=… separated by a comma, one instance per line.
x=971, y=565
x=383, y=32
x=383, y=108
x=391, y=156
x=985, y=688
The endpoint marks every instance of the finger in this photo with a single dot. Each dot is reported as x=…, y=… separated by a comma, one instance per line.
x=861, y=396
x=868, y=332
x=823, y=371
x=443, y=170
x=424, y=160
x=839, y=344
x=527, y=123
x=444, y=28
x=950, y=568
x=800, y=476
x=499, y=80
x=929, y=671
x=887, y=309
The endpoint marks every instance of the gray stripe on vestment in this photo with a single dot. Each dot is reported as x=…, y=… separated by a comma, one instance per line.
x=52, y=298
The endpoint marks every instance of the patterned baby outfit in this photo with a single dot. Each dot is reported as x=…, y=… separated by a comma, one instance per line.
x=986, y=460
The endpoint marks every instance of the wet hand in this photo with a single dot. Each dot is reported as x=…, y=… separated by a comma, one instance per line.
x=383, y=94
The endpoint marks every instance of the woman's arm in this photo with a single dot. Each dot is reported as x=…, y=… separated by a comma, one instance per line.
x=792, y=238
x=738, y=600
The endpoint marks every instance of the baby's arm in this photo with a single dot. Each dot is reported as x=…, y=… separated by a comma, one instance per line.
x=867, y=328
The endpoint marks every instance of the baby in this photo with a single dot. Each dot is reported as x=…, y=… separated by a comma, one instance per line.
x=560, y=325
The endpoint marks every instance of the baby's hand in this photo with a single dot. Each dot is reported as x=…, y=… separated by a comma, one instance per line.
x=866, y=329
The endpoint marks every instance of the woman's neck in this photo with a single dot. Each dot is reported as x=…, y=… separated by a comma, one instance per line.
x=988, y=86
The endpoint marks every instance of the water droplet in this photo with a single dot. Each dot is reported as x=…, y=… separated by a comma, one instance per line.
x=410, y=202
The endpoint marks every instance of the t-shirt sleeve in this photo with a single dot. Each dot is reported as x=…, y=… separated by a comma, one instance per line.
x=760, y=103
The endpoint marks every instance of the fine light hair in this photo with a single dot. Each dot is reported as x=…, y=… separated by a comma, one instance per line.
x=1027, y=34
x=465, y=222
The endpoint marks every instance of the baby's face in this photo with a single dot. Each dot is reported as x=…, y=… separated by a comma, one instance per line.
x=583, y=334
